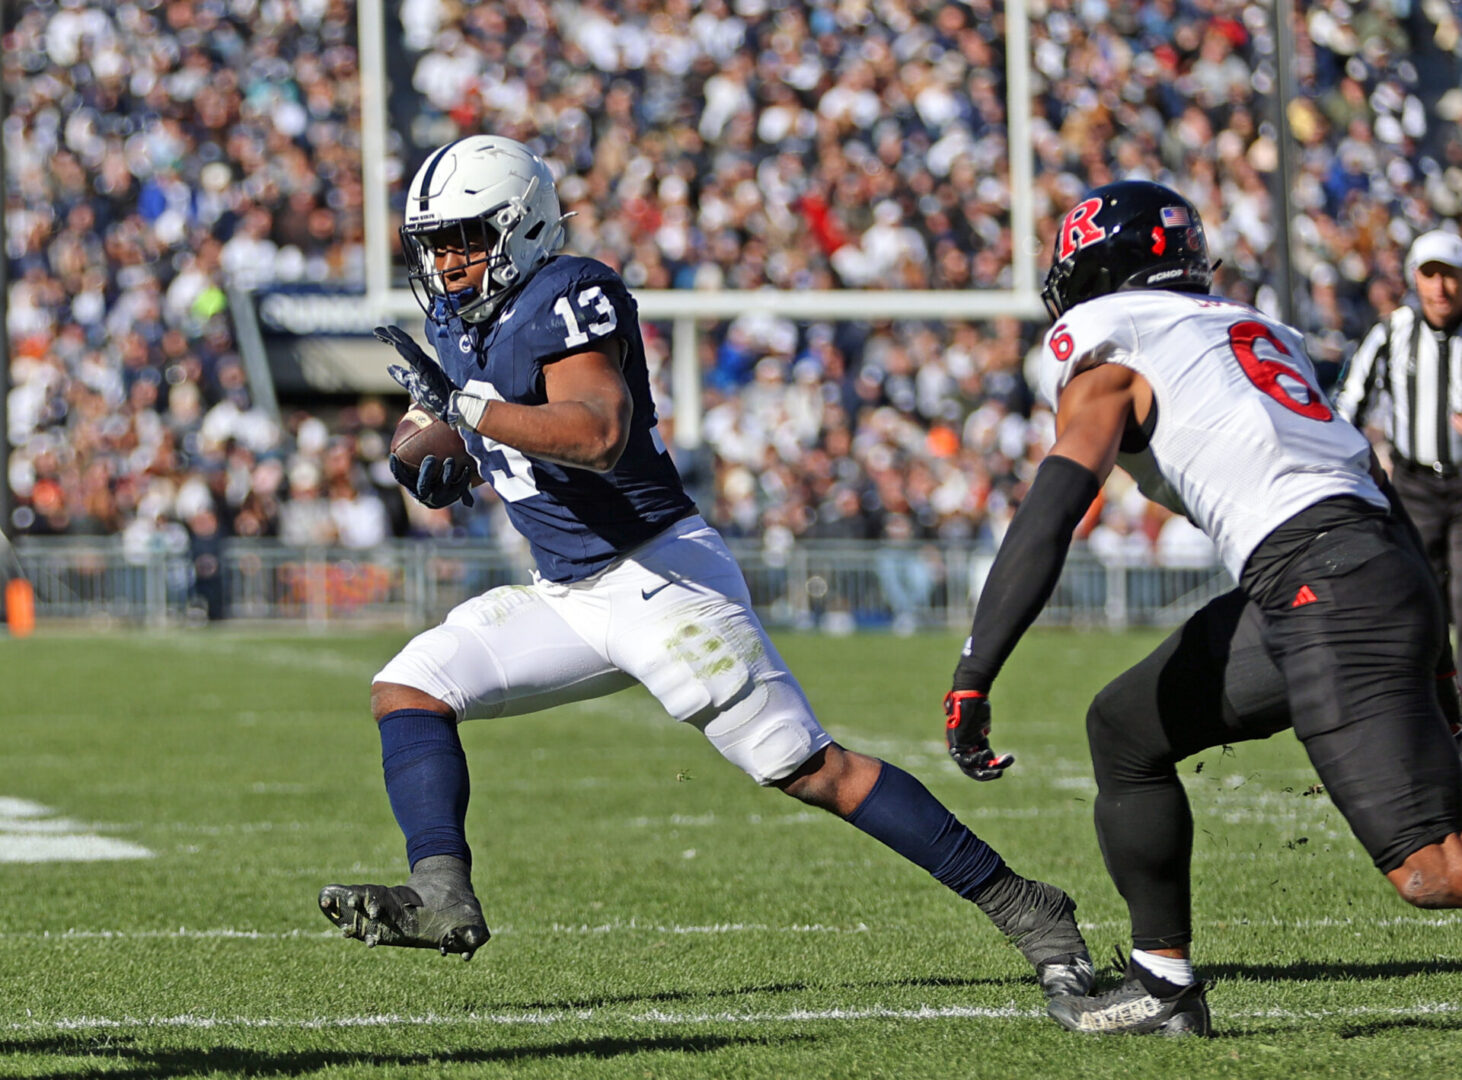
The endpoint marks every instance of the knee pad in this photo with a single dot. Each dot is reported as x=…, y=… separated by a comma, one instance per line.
x=1119, y=754
x=1101, y=734
x=429, y=663
x=767, y=733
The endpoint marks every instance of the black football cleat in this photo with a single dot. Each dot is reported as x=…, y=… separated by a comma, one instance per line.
x=396, y=915
x=1131, y=1009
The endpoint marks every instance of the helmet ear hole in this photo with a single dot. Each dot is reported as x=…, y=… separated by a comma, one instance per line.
x=534, y=230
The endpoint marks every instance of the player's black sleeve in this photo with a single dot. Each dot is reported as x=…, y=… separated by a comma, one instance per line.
x=1026, y=568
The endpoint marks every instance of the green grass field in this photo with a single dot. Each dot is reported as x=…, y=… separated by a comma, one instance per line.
x=655, y=914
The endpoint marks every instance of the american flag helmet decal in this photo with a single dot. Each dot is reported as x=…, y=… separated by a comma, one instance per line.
x=1175, y=217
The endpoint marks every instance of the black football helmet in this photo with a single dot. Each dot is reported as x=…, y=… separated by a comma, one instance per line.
x=1133, y=234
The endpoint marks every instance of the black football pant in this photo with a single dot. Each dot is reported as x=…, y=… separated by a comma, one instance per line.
x=1352, y=671
x=1434, y=504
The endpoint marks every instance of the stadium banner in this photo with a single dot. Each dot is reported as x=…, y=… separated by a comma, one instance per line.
x=318, y=340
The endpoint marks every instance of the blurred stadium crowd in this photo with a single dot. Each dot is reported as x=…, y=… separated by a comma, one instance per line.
x=162, y=155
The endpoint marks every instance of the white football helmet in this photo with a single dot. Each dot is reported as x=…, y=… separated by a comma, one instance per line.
x=492, y=198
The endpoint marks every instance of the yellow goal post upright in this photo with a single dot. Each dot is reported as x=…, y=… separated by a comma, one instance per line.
x=685, y=309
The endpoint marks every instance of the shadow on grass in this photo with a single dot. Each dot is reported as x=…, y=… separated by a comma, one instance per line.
x=663, y=996
x=1401, y=1023
x=657, y=997
x=125, y=1059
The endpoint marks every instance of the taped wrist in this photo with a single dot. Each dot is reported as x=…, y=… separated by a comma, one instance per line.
x=1026, y=568
x=468, y=409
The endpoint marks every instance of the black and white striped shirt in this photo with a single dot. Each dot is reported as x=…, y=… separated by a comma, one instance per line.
x=1409, y=377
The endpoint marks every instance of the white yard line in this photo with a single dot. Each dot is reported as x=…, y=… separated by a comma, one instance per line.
x=633, y=926
x=31, y=833
x=1273, y=923
x=657, y=1016
x=178, y=934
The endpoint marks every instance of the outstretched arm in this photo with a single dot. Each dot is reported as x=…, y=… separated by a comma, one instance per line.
x=1090, y=419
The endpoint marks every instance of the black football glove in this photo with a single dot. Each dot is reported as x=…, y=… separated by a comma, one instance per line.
x=437, y=483
x=967, y=732
x=424, y=380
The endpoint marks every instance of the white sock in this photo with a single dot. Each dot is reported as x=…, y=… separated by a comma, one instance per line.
x=1169, y=969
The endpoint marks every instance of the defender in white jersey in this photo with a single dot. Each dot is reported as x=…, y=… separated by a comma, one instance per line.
x=1336, y=628
x=539, y=362
x=1237, y=462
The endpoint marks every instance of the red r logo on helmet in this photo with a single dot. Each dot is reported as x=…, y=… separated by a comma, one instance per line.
x=1078, y=230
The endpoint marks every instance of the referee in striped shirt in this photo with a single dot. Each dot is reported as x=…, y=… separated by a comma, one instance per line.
x=1406, y=377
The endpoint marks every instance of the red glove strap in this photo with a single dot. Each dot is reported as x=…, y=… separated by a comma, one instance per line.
x=951, y=704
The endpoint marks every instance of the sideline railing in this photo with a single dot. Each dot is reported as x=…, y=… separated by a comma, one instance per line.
x=836, y=587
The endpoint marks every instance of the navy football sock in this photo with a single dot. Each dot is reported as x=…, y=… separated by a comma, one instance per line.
x=426, y=781
x=900, y=812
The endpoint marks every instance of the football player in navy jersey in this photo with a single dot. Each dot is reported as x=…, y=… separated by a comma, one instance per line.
x=540, y=364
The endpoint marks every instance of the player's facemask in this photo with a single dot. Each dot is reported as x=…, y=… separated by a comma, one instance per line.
x=447, y=290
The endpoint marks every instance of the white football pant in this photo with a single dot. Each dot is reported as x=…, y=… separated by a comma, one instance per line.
x=673, y=614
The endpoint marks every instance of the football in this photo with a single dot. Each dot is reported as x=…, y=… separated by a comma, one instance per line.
x=420, y=435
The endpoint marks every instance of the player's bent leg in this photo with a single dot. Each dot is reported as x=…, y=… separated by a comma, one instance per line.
x=1361, y=672
x=897, y=810
x=1403, y=803
x=501, y=653
x=1209, y=683
x=682, y=623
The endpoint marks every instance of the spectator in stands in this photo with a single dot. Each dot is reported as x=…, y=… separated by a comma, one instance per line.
x=160, y=156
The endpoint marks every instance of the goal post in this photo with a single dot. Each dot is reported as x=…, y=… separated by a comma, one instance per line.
x=686, y=308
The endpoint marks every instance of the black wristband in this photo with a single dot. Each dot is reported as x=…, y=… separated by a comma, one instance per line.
x=1026, y=568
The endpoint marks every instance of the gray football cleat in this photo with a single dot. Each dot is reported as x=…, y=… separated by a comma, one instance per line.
x=1068, y=975
x=1131, y=1009
x=1040, y=921
x=396, y=915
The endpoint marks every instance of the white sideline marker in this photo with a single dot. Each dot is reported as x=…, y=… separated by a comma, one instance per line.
x=634, y=925
x=228, y=932
x=428, y=1020
x=30, y=834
